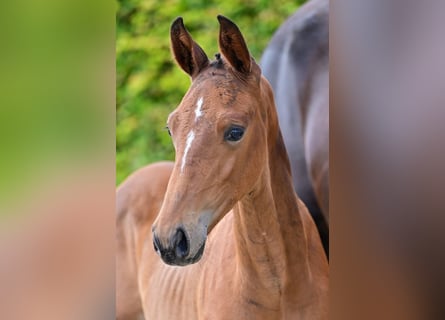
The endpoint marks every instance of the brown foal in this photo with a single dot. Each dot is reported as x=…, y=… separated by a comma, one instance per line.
x=231, y=240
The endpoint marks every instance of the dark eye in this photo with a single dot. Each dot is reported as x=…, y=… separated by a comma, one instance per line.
x=234, y=134
x=168, y=130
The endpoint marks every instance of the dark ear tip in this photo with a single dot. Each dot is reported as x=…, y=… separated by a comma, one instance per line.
x=178, y=20
x=223, y=19
x=226, y=23
x=177, y=23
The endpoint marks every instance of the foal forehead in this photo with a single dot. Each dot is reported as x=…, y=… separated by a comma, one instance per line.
x=214, y=94
x=217, y=91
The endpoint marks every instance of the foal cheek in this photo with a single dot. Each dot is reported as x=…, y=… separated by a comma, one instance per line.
x=225, y=169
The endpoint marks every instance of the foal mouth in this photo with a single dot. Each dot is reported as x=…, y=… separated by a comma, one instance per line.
x=198, y=254
x=175, y=261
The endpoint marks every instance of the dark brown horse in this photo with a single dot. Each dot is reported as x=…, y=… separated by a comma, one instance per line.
x=296, y=63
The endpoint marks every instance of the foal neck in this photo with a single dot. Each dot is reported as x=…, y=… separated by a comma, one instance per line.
x=271, y=230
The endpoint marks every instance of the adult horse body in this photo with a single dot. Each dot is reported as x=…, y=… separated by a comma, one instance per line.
x=230, y=191
x=296, y=63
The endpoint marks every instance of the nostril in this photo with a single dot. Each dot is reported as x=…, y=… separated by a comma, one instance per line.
x=182, y=247
x=156, y=244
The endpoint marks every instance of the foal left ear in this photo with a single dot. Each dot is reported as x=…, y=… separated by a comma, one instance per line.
x=189, y=55
x=233, y=46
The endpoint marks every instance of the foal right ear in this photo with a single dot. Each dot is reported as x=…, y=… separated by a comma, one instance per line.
x=189, y=55
x=233, y=46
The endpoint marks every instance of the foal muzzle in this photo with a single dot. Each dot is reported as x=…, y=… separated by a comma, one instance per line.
x=177, y=250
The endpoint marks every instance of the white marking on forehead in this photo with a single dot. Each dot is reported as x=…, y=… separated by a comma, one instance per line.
x=198, y=111
x=188, y=144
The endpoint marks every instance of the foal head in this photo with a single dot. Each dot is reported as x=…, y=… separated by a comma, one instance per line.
x=220, y=137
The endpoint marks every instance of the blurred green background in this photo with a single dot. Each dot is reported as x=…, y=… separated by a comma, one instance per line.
x=149, y=84
x=56, y=63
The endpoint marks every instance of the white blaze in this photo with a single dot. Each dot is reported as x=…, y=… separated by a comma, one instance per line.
x=188, y=144
x=198, y=111
x=191, y=135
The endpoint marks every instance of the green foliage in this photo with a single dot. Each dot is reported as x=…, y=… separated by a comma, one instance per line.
x=150, y=86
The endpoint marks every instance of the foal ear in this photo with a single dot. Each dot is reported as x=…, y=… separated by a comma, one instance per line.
x=189, y=55
x=233, y=46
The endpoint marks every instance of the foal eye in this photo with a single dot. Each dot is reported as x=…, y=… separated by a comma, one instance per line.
x=168, y=130
x=234, y=133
